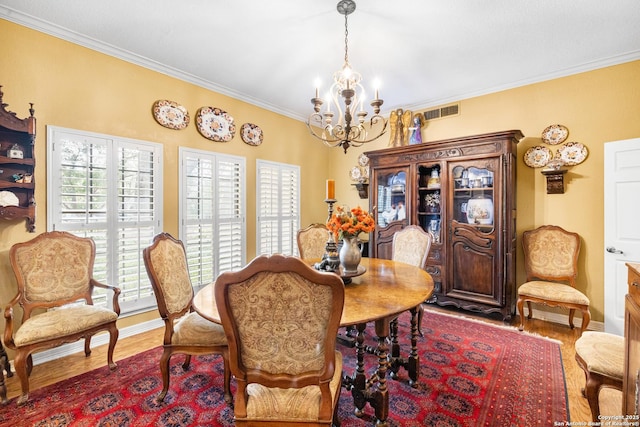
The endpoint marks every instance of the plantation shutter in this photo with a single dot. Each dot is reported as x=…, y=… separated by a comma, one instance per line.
x=212, y=213
x=109, y=189
x=278, y=202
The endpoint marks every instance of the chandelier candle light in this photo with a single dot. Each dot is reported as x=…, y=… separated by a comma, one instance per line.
x=346, y=95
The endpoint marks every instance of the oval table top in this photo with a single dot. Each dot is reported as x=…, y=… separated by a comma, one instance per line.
x=386, y=288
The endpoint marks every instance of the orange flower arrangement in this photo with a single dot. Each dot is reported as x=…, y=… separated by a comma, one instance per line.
x=350, y=223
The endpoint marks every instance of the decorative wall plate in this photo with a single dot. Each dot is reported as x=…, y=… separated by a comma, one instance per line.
x=555, y=134
x=355, y=173
x=251, y=134
x=363, y=160
x=170, y=114
x=215, y=124
x=537, y=157
x=572, y=153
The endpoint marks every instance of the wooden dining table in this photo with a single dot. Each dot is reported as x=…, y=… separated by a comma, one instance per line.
x=383, y=291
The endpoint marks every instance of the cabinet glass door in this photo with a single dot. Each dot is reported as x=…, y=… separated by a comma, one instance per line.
x=473, y=198
x=391, y=196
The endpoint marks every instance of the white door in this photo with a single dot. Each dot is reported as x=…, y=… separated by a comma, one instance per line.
x=621, y=225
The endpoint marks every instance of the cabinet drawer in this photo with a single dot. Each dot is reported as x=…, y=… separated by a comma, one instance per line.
x=634, y=282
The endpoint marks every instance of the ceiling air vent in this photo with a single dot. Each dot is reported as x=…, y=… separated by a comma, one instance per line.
x=449, y=110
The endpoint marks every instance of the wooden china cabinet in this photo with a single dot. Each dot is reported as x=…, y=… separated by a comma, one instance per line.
x=462, y=192
x=17, y=166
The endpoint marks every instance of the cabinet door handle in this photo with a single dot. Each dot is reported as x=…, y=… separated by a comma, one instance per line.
x=636, y=284
x=613, y=250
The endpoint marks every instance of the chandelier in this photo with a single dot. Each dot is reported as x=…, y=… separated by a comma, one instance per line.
x=346, y=100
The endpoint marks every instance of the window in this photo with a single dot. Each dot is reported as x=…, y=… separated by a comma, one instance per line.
x=278, y=206
x=110, y=189
x=212, y=213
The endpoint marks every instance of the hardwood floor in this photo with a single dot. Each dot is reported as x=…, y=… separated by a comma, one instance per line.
x=610, y=400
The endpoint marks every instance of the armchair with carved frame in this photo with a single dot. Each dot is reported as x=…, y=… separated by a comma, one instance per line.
x=54, y=273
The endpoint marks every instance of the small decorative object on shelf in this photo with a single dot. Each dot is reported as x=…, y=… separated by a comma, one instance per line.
x=480, y=210
x=360, y=175
x=432, y=202
x=434, y=180
x=15, y=152
x=346, y=225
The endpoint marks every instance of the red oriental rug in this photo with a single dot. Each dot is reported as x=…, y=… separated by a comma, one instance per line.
x=471, y=374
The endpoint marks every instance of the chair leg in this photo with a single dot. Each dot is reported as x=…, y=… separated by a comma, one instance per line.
x=586, y=318
x=520, y=305
x=164, y=371
x=113, y=339
x=187, y=362
x=87, y=346
x=591, y=392
x=572, y=313
x=228, y=397
x=20, y=363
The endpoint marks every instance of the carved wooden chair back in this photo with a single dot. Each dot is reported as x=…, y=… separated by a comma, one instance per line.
x=312, y=241
x=186, y=331
x=411, y=245
x=281, y=318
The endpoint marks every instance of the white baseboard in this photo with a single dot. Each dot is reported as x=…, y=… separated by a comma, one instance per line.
x=97, y=340
x=563, y=319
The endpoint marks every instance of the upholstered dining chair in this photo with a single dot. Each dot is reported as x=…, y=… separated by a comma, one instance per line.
x=411, y=245
x=186, y=332
x=54, y=273
x=281, y=319
x=312, y=241
x=601, y=357
x=551, y=266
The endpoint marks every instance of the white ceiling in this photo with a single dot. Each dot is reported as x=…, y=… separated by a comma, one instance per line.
x=425, y=53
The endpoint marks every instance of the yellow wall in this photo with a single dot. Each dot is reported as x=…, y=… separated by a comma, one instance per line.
x=75, y=87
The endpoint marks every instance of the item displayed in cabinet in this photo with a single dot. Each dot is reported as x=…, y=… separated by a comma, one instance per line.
x=7, y=198
x=434, y=230
x=480, y=210
x=215, y=124
x=434, y=180
x=572, y=153
x=15, y=152
x=170, y=114
x=537, y=157
x=555, y=134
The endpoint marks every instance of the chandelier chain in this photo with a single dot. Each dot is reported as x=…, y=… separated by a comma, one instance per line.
x=346, y=41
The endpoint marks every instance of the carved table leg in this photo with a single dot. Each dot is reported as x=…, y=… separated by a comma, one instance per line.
x=380, y=398
x=413, y=365
x=359, y=380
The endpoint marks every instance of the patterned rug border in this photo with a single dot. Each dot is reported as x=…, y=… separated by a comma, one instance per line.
x=509, y=328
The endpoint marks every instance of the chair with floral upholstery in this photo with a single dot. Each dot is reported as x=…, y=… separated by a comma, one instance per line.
x=186, y=332
x=551, y=266
x=54, y=273
x=281, y=319
x=411, y=245
x=601, y=357
x=312, y=241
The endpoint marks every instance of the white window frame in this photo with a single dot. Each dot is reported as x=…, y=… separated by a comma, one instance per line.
x=121, y=225
x=277, y=208
x=215, y=236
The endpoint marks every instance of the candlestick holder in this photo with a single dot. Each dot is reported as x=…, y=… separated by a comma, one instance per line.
x=330, y=259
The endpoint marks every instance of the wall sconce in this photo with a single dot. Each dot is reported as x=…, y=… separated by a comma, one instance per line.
x=555, y=180
x=363, y=189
